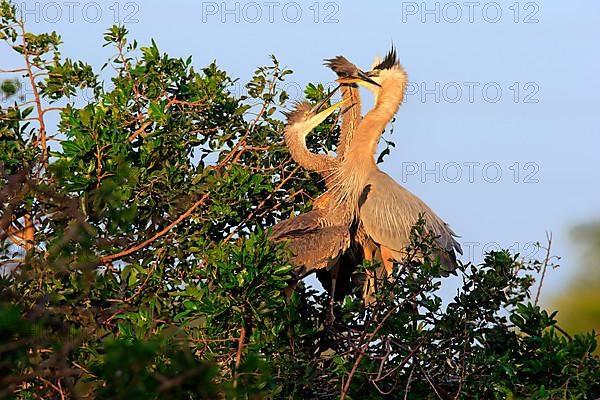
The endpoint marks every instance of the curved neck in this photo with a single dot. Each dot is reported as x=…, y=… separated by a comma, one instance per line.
x=295, y=139
x=364, y=144
x=350, y=119
x=359, y=161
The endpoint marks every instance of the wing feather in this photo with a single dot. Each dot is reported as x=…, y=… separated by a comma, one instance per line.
x=312, y=244
x=297, y=225
x=389, y=211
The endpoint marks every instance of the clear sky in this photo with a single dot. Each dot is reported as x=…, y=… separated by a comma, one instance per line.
x=500, y=131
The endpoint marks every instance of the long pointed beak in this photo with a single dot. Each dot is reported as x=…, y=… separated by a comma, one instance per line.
x=362, y=75
x=361, y=78
x=320, y=117
x=320, y=104
x=333, y=107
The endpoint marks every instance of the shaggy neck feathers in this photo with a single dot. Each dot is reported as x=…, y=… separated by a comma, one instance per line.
x=359, y=161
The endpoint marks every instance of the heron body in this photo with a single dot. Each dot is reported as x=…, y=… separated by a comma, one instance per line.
x=365, y=214
x=313, y=243
x=385, y=210
x=317, y=240
x=314, y=238
x=389, y=211
x=320, y=241
x=362, y=247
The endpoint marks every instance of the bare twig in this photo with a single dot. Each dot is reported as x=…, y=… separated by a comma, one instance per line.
x=53, y=386
x=238, y=355
x=408, y=382
x=133, y=249
x=364, y=344
x=544, y=266
x=13, y=261
x=38, y=103
x=462, y=364
x=561, y=330
x=433, y=385
x=138, y=131
x=3, y=71
x=139, y=289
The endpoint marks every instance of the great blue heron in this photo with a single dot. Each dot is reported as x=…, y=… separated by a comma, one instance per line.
x=385, y=210
x=362, y=246
x=320, y=240
x=316, y=239
x=345, y=247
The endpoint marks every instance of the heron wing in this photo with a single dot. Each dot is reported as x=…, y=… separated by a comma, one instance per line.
x=312, y=245
x=388, y=212
x=318, y=248
x=296, y=225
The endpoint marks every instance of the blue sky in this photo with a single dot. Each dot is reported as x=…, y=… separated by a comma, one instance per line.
x=509, y=88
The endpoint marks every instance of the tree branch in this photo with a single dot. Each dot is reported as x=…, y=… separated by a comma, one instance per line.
x=133, y=249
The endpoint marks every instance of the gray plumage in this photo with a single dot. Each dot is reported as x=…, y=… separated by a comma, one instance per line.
x=386, y=211
x=313, y=244
x=342, y=67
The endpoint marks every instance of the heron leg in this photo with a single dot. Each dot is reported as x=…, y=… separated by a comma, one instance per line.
x=334, y=275
x=388, y=260
x=289, y=290
x=385, y=270
x=368, y=286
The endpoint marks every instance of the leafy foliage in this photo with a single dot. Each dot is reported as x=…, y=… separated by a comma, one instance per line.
x=137, y=261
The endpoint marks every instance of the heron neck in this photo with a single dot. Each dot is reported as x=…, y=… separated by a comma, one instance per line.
x=295, y=139
x=364, y=145
x=350, y=119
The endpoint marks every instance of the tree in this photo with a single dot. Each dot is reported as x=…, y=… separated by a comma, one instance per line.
x=137, y=263
x=578, y=305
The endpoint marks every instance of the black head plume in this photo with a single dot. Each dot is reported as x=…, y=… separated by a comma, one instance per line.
x=389, y=60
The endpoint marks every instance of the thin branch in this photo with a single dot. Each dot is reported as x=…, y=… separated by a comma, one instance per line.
x=52, y=109
x=25, y=103
x=43, y=73
x=12, y=261
x=139, y=289
x=433, y=385
x=133, y=249
x=15, y=238
x=53, y=386
x=403, y=362
x=561, y=330
x=139, y=131
x=544, y=266
x=4, y=71
x=238, y=355
x=361, y=353
x=462, y=364
x=408, y=382
x=19, y=119
x=36, y=94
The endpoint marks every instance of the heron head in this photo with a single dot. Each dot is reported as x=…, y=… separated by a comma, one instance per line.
x=310, y=116
x=347, y=72
x=381, y=71
x=388, y=68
